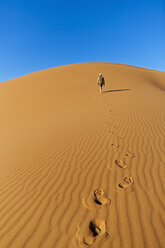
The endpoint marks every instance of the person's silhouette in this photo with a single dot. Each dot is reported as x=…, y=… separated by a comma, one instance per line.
x=100, y=82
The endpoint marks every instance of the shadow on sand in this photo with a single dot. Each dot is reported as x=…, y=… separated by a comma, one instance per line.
x=107, y=91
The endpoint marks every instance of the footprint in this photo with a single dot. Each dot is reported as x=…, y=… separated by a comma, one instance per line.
x=120, y=164
x=115, y=145
x=87, y=235
x=100, y=197
x=129, y=155
x=126, y=183
x=97, y=226
x=115, y=127
x=96, y=229
x=109, y=111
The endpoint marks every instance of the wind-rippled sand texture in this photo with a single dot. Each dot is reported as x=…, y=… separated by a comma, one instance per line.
x=61, y=141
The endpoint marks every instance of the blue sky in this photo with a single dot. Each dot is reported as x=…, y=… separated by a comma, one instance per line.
x=36, y=35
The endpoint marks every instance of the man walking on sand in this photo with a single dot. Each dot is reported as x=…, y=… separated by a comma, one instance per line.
x=100, y=82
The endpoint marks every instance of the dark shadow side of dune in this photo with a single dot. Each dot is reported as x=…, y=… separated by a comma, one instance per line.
x=157, y=84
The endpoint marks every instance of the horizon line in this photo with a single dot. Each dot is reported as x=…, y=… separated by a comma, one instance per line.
x=126, y=65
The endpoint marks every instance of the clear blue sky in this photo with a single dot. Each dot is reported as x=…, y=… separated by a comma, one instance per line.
x=39, y=34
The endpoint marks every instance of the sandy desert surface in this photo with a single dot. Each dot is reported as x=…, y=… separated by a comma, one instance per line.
x=79, y=168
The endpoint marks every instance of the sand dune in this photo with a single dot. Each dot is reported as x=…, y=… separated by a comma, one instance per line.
x=81, y=169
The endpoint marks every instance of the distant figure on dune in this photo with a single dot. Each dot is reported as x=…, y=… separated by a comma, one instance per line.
x=100, y=82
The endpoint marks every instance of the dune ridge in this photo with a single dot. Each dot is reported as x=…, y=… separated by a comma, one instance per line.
x=59, y=142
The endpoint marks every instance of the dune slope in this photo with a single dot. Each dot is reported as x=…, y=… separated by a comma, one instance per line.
x=81, y=169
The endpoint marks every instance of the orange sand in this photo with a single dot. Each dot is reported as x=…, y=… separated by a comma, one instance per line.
x=61, y=142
